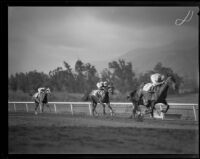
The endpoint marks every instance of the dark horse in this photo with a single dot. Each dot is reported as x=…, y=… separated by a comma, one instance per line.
x=41, y=99
x=102, y=97
x=150, y=99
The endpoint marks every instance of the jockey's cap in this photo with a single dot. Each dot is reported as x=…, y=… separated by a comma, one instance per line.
x=105, y=83
x=101, y=84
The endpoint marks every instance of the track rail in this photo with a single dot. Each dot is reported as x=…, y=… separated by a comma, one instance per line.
x=175, y=106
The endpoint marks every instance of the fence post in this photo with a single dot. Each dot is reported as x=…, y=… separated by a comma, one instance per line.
x=195, y=115
x=55, y=108
x=26, y=107
x=15, y=107
x=72, y=109
x=90, y=109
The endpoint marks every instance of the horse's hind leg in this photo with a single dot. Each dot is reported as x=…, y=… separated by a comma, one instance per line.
x=111, y=110
x=93, y=108
x=36, y=106
x=152, y=109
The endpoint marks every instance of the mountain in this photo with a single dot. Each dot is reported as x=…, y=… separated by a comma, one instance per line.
x=181, y=59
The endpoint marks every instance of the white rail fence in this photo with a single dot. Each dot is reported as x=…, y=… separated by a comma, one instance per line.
x=127, y=106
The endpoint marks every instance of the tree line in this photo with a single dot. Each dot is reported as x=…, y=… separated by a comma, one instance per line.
x=85, y=77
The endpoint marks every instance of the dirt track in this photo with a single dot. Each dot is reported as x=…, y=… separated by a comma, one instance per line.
x=64, y=133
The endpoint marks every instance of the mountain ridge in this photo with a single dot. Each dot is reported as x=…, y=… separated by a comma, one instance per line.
x=182, y=60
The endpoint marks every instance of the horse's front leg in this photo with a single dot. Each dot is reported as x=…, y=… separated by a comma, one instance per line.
x=165, y=111
x=111, y=110
x=42, y=107
x=48, y=107
x=104, y=108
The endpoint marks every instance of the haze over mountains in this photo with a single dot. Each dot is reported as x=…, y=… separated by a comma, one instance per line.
x=183, y=60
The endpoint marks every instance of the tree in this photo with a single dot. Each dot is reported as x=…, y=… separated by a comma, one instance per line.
x=69, y=79
x=12, y=83
x=27, y=82
x=122, y=75
x=91, y=76
x=169, y=72
x=106, y=75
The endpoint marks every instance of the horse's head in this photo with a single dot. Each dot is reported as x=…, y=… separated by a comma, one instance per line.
x=110, y=89
x=47, y=91
x=171, y=81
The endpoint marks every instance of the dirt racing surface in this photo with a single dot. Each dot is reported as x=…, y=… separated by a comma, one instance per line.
x=67, y=134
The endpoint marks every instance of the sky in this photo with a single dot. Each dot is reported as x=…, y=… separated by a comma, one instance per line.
x=41, y=38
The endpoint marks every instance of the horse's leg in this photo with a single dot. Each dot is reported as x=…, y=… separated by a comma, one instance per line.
x=48, y=107
x=165, y=111
x=104, y=108
x=152, y=107
x=93, y=108
x=42, y=107
x=134, y=108
x=111, y=110
x=95, y=111
x=36, y=106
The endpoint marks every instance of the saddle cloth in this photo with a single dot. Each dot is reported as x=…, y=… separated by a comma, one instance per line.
x=35, y=95
x=147, y=87
x=97, y=93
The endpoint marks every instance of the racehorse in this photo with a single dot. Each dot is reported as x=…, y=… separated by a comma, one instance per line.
x=150, y=99
x=41, y=99
x=102, y=97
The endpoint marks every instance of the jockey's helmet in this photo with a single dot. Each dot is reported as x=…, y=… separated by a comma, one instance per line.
x=41, y=89
x=101, y=84
x=105, y=84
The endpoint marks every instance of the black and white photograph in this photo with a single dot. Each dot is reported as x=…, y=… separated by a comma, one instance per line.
x=103, y=80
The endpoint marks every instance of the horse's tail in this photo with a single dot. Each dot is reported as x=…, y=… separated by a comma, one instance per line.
x=131, y=94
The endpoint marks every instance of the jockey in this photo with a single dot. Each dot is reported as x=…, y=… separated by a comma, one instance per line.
x=100, y=85
x=35, y=96
x=42, y=89
x=157, y=79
